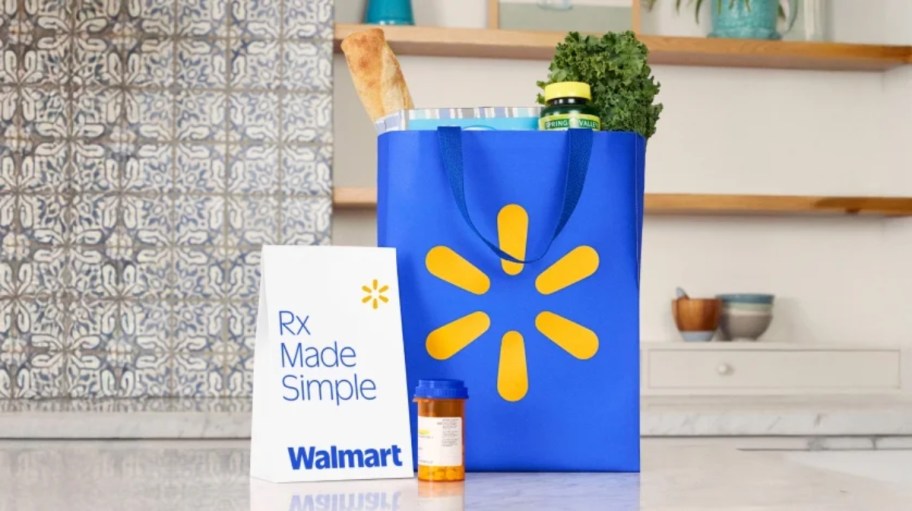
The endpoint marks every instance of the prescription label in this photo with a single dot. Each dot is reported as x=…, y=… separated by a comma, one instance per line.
x=440, y=441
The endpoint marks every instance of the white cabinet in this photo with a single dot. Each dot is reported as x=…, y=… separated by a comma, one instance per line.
x=740, y=368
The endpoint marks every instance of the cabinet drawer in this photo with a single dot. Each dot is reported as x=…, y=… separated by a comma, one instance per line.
x=770, y=369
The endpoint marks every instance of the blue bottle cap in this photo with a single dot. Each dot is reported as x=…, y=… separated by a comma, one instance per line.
x=441, y=389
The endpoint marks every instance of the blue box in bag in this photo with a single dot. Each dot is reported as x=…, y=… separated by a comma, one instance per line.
x=518, y=257
x=480, y=118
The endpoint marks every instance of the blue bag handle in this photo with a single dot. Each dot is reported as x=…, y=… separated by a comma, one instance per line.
x=579, y=148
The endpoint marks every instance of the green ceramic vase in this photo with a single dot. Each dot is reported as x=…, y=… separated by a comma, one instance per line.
x=748, y=19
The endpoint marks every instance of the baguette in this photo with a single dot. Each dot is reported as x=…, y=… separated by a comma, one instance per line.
x=376, y=73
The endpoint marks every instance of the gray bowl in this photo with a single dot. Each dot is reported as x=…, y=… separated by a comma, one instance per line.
x=698, y=335
x=744, y=326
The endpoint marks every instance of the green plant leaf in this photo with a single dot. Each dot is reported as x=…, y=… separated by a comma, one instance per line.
x=615, y=67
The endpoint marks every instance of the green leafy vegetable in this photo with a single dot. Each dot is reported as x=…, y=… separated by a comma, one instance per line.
x=614, y=66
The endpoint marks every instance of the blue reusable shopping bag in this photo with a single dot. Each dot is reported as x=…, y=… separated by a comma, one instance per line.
x=518, y=257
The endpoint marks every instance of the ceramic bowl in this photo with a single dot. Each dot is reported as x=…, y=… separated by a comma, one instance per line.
x=749, y=325
x=746, y=298
x=698, y=336
x=696, y=314
x=753, y=307
x=732, y=311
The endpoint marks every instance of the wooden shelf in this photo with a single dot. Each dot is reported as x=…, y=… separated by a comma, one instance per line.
x=690, y=51
x=704, y=204
x=682, y=51
x=676, y=203
x=354, y=198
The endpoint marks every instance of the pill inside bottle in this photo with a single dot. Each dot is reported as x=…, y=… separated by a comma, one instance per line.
x=441, y=429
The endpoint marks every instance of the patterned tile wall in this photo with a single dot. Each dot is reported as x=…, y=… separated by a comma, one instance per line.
x=148, y=148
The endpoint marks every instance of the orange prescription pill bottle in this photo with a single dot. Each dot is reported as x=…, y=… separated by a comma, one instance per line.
x=441, y=429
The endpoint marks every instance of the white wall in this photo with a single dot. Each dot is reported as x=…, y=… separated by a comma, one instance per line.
x=840, y=280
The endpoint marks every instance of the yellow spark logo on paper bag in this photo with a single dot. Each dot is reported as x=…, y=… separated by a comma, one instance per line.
x=375, y=294
x=512, y=375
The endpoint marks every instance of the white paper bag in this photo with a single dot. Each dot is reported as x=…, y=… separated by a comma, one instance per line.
x=329, y=393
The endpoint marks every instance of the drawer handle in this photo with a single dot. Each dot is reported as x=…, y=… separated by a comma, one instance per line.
x=724, y=369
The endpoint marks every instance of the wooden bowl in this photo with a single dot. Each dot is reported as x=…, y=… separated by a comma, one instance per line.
x=696, y=314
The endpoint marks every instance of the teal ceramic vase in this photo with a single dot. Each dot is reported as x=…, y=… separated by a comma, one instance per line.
x=389, y=12
x=748, y=19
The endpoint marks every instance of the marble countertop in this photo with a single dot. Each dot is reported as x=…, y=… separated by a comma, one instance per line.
x=205, y=475
x=821, y=415
x=767, y=416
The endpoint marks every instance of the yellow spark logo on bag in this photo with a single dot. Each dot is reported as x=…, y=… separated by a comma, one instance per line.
x=512, y=231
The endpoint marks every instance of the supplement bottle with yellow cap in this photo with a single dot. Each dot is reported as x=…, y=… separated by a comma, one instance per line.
x=568, y=107
x=441, y=429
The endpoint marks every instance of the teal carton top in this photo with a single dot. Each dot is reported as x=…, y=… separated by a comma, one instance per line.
x=482, y=118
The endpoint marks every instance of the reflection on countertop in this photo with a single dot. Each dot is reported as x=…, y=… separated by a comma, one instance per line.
x=487, y=491
x=394, y=494
x=212, y=475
